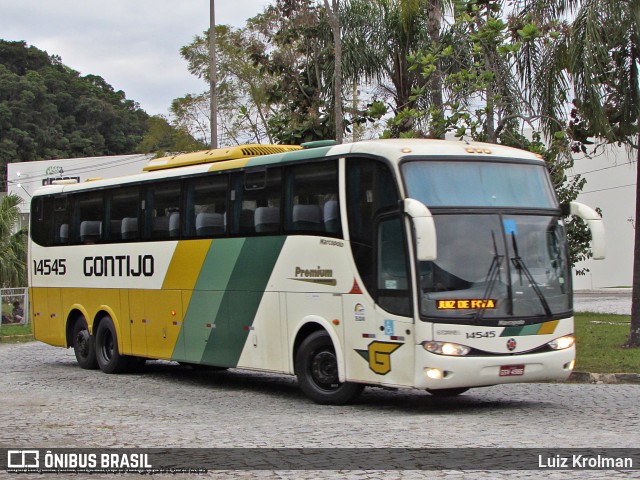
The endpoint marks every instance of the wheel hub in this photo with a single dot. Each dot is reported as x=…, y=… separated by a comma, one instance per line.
x=324, y=369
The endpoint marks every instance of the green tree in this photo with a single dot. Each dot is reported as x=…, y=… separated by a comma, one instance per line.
x=48, y=110
x=244, y=107
x=164, y=138
x=596, y=60
x=13, y=245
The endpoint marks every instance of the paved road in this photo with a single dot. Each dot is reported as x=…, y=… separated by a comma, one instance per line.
x=616, y=301
x=46, y=400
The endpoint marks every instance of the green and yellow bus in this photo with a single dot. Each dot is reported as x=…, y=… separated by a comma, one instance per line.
x=423, y=264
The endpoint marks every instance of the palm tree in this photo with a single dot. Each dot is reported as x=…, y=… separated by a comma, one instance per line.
x=599, y=55
x=379, y=37
x=13, y=247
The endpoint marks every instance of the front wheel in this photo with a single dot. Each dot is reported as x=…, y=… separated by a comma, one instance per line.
x=316, y=367
x=84, y=345
x=107, y=354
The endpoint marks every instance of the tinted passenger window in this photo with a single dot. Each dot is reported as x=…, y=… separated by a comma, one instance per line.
x=89, y=215
x=162, y=211
x=256, y=202
x=312, y=199
x=206, y=211
x=123, y=223
x=370, y=190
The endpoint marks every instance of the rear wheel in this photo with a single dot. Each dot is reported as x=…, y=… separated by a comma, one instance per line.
x=107, y=354
x=316, y=367
x=84, y=345
x=447, y=392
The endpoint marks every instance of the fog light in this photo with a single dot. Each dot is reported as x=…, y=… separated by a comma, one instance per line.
x=446, y=348
x=433, y=373
x=570, y=365
x=562, y=342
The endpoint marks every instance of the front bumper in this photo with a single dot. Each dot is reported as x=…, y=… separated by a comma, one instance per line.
x=458, y=372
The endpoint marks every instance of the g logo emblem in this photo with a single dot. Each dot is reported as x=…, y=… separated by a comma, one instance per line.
x=379, y=356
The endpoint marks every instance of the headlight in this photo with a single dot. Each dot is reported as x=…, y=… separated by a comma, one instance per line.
x=563, y=342
x=446, y=348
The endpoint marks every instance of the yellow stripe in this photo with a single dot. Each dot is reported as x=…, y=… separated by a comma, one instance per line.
x=548, y=328
x=186, y=263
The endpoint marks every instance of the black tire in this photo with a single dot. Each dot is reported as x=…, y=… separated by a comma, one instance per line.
x=109, y=358
x=84, y=345
x=316, y=367
x=447, y=392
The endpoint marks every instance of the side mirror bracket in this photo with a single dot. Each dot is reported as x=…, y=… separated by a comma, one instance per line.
x=595, y=224
x=424, y=227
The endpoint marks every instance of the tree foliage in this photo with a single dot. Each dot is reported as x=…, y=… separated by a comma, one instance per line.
x=48, y=110
x=13, y=245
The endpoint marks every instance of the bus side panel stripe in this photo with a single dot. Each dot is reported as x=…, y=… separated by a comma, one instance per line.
x=206, y=300
x=185, y=265
x=241, y=300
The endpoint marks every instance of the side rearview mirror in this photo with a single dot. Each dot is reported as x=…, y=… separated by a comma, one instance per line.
x=425, y=229
x=596, y=226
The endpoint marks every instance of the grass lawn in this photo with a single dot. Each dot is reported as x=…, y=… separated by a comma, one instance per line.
x=15, y=333
x=599, y=340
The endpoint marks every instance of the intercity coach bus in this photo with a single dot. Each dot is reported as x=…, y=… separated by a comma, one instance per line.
x=424, y=264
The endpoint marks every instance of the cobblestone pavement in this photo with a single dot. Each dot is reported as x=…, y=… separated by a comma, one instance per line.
x=47, y=401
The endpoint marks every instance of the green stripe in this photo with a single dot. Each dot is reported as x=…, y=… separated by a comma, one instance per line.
x=521, y=331
x=227, y=295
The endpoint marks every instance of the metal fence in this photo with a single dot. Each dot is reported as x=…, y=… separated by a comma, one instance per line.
x=15, y=306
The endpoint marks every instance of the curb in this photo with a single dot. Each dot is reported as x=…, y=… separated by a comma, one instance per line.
x=22, y=338
x=599, y=378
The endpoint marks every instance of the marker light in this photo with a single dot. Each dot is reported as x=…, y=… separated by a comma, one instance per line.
x=563, y=342
x=446, y=348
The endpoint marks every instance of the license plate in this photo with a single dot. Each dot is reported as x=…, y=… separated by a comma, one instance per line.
x=511, y=370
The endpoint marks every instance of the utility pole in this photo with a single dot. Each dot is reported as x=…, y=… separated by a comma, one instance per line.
x=213, y=74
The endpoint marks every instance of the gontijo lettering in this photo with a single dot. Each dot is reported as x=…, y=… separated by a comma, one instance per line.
x=466, y=304
x=119, y=266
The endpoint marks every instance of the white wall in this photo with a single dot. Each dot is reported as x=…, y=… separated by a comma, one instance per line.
x=24, y=178
x=611, y=185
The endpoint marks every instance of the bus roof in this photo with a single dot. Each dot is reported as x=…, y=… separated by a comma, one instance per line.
x=246, y=156
x=217, y=155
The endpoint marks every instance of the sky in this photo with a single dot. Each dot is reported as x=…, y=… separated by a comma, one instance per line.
x=133, y=44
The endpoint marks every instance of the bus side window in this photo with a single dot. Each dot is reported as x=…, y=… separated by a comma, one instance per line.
x=123, y=214
x=42, y=226
x=162, y=202
x=206, y=206
x=88, y=227
x=61, y=220
x=312, y=199
x=370, y=189
x=256, y=202
x=392, y=286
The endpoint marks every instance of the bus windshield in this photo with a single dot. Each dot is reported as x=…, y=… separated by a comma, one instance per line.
x=475, y=184
x=497, y=263
x=495, y=266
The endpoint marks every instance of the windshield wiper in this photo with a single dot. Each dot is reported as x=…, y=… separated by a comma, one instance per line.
x=518, y=262
x=492, y=276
